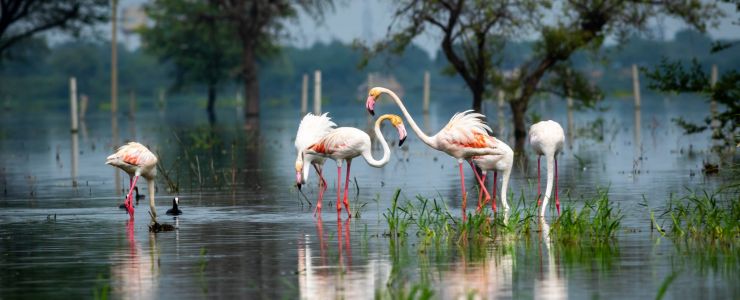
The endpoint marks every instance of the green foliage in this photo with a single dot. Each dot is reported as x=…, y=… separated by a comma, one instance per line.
x=195, y=38
x=710, y=218
x=596, y=222
x=672, y=76
x=22, y=19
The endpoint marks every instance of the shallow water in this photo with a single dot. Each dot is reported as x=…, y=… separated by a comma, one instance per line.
x=247, y=233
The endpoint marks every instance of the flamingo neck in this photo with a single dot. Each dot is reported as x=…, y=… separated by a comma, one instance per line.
x=504, y=188
x=424, y=138
x=550, y=177
x=386, y=150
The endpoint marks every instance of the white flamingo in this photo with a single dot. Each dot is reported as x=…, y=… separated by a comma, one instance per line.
x=310, y=131
x=134, y=158
x=465, y=136
x=547, y=138
x=346, y=143
x=500, y=162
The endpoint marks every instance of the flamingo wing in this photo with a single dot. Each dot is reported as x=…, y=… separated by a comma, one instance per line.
x=311, y=129
x=342, y=142
x=467, y=130
x=133, y=154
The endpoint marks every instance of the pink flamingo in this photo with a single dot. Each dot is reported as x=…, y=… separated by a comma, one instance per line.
x=346, y=143
x=504, y=161
x=136, y=160
x=310, y=131
x=465, y=136
x=547, y=138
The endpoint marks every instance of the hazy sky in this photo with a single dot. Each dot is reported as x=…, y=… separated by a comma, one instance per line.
x=369, y=20
x=363, y=18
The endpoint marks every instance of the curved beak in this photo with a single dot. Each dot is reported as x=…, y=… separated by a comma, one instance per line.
x=401, y=134
x=370, y=105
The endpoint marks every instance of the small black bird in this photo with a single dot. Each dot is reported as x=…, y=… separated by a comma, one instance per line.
x=174, y=211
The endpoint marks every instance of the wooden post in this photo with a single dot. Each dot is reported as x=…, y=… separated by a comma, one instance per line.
x=714, y=124
x=636, y=85
x=501, y=113
x=73, y=103
x=114, y=58
x=317, y=92
x=426, y=92
x=304, y=95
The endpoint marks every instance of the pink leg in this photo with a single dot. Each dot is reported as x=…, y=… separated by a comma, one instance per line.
x=480, y=192
x=557, y=197
x=346, y=185
x=339, y=189
x=465, y=198
x=539, y=191
x=322, y=188
x=495, y=177
x=129, y=206
x=481, y=184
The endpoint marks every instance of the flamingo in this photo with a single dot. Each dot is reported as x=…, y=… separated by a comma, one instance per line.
x=346, y=143
x=136, y=160
x=547, y=138
x=310, y=131
x=500, y=162
x=463, y=137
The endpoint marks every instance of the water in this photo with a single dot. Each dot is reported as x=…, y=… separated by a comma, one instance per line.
x=247, y=233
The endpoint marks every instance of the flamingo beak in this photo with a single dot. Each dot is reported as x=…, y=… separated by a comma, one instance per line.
x=401, y=134
x=370, y=105
x=298, y=179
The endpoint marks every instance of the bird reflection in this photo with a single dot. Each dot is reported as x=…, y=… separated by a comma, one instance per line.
x=133, y=276
x=550, y=284
x=329, y=278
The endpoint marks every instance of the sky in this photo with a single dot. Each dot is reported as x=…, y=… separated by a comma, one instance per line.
x=368, y=20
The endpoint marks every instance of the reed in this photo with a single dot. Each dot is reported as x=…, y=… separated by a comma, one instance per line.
x=597, y=221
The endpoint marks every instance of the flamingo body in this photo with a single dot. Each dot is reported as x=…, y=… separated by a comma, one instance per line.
x=464, y=136
x=136, y=160
x=345, y=143
x=547, y=138
x=502, y=162
x=311, y=129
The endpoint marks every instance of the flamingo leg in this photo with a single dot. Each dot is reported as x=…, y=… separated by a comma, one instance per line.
x=339, y=188
x=557, y=197
x=539, y=191
x=495, y=178
x=129, y=207
x=462, y=183
x=322, y=188
x=346, y=185
x=480, y=192
x=481, y=184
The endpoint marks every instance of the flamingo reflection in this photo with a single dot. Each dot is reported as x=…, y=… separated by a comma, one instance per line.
x=134, y=276
x=326, y=278
x=550, y=283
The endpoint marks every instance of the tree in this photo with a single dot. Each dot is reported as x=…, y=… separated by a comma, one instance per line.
x=258, y=24
x=21, y=19
x=671, y=76
x=193, y=36
x=475, y=32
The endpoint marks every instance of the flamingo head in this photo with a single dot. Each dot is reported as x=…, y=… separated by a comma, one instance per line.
x=372, y=95
x=298, y=172
x=398, y=123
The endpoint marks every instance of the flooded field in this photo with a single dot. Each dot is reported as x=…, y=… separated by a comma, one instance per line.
x=247, y=232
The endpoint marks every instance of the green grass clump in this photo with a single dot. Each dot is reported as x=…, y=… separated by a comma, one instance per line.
x=597, y=221
x=706, y=217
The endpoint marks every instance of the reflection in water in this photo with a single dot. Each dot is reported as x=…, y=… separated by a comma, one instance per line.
x=133, y=275
x=318, y=279
x=75, y=157
x=638, y=129
x=550, y=284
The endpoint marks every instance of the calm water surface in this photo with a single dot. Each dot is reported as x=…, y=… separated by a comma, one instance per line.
x=246, y=232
